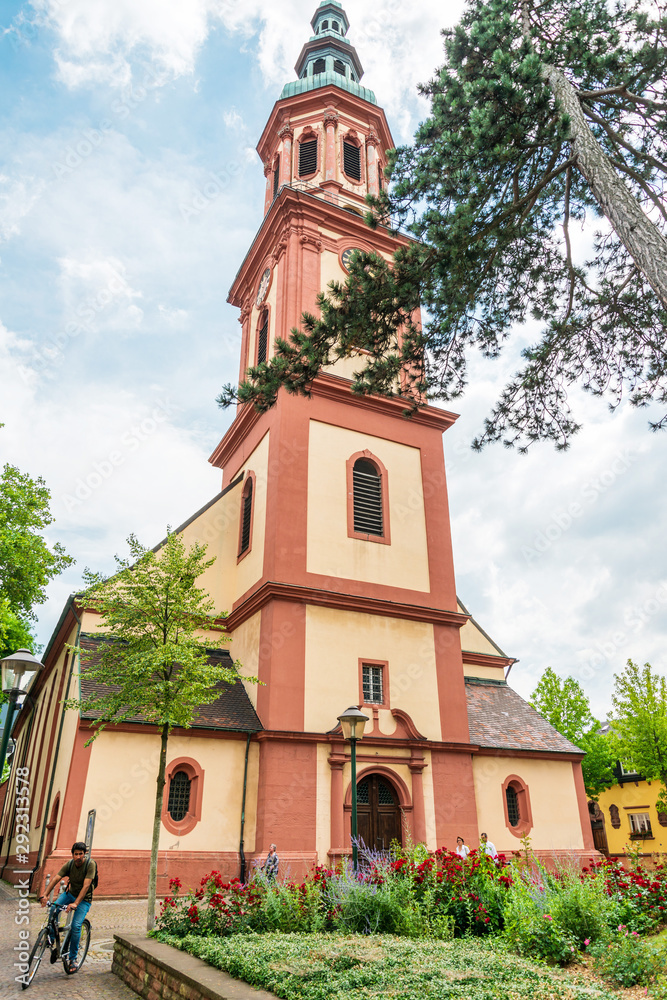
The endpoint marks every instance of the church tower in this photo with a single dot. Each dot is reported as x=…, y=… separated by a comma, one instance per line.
x=333, y=558
x=344, y=578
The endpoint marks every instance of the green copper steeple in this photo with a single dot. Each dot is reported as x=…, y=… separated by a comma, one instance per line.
x=328, y=58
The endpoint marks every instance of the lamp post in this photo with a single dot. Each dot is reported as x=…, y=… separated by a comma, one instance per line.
x=352, y=723
x=18, y=671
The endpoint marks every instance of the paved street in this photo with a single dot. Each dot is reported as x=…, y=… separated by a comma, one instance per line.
x=95, y=980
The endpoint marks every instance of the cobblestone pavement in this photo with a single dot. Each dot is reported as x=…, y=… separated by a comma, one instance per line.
x=95, y=981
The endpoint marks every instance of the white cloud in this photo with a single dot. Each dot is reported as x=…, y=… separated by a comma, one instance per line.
x=17, y=197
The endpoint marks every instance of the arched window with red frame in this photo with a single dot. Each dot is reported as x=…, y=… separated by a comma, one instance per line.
x=516, y=806
x=368, y=498
x=247, y=511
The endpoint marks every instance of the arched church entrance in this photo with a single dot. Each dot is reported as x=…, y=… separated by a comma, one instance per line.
x=378, y=812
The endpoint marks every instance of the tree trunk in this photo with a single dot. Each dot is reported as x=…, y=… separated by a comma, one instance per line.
x=641, y=238
x=157, y=824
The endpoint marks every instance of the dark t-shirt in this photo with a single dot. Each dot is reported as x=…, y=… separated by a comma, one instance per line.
x=77, y=876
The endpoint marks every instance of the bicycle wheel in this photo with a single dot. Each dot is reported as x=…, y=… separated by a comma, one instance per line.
x=84, y=944
x=38, y=950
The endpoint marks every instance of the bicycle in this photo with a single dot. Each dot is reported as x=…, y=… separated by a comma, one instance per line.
x=50, y=937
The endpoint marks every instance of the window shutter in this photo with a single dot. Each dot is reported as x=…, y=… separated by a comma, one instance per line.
x=367, y=493
x=352, y=160
x=339, y=67
x=319, y=65
x=263, y=339
x=276, y=179
x=307, y=157
x=246, y=514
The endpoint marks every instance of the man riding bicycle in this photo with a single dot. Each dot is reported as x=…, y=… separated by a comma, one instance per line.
x=78, y=896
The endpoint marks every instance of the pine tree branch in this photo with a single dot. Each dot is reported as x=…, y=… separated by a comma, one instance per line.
x=620, y=165
x=616, y=137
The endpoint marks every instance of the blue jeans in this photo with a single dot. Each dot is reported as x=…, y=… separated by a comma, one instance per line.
x=79, y=916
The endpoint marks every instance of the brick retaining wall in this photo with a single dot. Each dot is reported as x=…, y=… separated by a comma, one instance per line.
x=158, y=972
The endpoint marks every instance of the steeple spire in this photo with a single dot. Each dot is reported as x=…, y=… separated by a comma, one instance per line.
x=328, y=57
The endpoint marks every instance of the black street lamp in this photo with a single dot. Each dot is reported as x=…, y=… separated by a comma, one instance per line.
x=18, y=671
x=352, y=723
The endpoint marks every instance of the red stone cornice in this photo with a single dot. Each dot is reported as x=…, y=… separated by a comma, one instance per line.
x=486, y=659
x=350, y=108
x=271, y=591
x=530, y=754
x=338, y=389
x=299, y=209
x=243, y=423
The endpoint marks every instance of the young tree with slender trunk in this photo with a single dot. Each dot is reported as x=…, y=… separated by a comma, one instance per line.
x=546, y=114
x=563, y=703
x=639, y=723
x=155, y=662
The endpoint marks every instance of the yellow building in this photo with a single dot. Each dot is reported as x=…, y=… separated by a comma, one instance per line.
x=627, y=814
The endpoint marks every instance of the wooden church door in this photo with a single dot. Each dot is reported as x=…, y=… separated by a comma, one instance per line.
x=378, y=813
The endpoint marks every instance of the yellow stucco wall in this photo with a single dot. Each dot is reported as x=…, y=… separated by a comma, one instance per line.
x=334, y=642
x=121, y=787
x=631, y=796
x=323, y=815
x=251, y=567
x=218, y=529
x=553, y=799
x=489, y=673
x=403, y=563
x=245, y=648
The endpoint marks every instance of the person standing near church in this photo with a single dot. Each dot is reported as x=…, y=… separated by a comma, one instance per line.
x=461, y=848
x=270, y=866
x=486, y=846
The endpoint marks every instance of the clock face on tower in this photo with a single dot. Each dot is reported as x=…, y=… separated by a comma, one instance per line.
x=346, y=254
x=264, y=283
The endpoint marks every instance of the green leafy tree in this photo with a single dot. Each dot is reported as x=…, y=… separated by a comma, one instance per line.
x=563, y=703
x=27, y=562
x=545, y=113
x=639, y=723
x=156, y=662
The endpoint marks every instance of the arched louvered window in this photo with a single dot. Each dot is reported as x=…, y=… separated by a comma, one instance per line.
x=325, y=25
x=179, y=796
x=335, y=25
x=319, y=66
x=308, y=156
x=367, y=498
x=339, y=67
x=513, y=814
x=263, y=337
x=246, y=516
x=352, y=160
x=276, y=177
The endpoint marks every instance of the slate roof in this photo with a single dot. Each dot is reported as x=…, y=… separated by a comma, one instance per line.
x=233, y=710
x=500, y=719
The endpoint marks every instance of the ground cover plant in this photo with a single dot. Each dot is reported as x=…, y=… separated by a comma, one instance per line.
x=550, y=916
x=337, y=967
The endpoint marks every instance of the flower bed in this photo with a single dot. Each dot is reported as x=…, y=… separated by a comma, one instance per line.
x=550, y=916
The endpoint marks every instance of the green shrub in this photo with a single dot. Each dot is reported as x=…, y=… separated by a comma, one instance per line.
x=530, y=929
x=627, y=960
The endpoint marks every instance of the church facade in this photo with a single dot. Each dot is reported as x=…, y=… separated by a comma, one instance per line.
x=334, y=560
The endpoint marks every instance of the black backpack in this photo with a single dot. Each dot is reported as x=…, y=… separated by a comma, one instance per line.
x=95, y=881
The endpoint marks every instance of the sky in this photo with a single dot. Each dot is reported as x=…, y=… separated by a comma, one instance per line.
x=130, y=191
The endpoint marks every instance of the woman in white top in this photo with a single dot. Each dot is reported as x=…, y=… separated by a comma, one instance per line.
x=461, y=848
